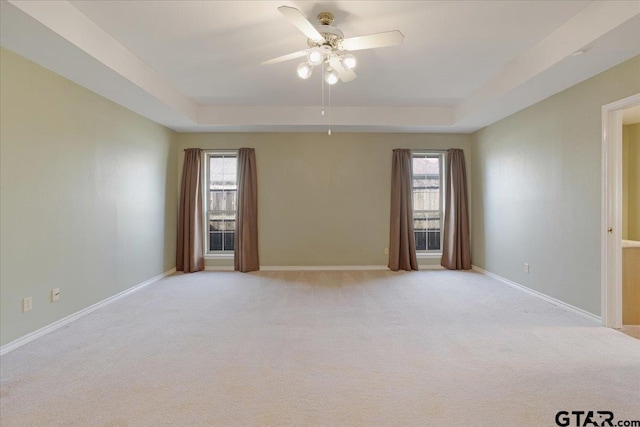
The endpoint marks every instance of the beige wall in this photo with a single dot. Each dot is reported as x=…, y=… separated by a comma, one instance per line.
x=323, y=200
x=536, y=190
x=631, y=182
x=88, y=200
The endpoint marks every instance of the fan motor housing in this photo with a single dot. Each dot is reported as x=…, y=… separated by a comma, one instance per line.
x=332, y=35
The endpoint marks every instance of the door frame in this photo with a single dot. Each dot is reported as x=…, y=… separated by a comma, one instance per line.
x=611, y=232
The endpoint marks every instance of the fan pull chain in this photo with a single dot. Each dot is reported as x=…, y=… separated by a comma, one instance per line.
x=322, y=86
x=329, y=106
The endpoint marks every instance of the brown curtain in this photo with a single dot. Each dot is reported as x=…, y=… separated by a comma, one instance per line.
x=402, y=245
x=456, y=249
x=190, y=255
x=246, y=241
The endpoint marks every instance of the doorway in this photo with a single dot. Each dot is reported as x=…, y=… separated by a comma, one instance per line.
x=612, y=210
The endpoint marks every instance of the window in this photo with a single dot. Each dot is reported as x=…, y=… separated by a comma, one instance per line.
x=220, y=201
x=427, y=201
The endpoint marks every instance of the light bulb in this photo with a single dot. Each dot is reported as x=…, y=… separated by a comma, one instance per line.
x=304, y=70
x=330, y=76
x=315, y=56
x=349, y=61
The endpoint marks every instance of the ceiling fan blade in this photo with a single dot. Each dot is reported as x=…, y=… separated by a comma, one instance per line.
x=283, y=58
x=344, y=74
x=297, y=18
x=388, y=38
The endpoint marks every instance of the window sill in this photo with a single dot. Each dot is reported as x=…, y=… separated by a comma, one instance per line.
x=218, y=256
x=429, y=255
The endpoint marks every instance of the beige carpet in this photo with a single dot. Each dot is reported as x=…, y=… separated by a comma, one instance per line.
x=322, y=349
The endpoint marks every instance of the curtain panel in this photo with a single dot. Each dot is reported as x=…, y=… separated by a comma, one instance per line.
x=456, y=247
x=402, y=245
x=246, y=240
x=190, y=256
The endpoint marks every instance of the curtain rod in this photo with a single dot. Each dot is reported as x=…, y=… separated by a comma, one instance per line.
x=209, y=150
x=439, y=150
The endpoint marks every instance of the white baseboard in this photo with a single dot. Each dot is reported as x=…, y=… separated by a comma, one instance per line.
x=431, y=267
x=320, y=267
x=77, y=315
x=218, y=268
x=540, y=295
x=302, y=267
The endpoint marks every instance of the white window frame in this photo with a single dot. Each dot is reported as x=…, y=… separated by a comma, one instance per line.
x=206, y=155
x=433, y=253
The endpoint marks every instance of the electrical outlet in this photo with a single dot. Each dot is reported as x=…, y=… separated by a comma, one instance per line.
x=386, y=251
x=27, y=304
x=55, y=294
x=526, y=267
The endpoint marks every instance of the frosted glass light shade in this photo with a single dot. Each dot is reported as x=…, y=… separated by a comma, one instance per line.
x=304, y=70
x=315, y=56
x=349, y=61
x=330, y=76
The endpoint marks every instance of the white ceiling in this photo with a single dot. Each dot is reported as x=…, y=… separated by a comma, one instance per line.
x=194, y=65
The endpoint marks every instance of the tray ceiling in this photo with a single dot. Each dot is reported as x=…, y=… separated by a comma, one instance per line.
x=194, y=65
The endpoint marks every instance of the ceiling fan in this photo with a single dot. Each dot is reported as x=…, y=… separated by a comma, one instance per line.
x=327, y=45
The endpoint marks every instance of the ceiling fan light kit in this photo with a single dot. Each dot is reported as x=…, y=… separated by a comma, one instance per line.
x=327, y=45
